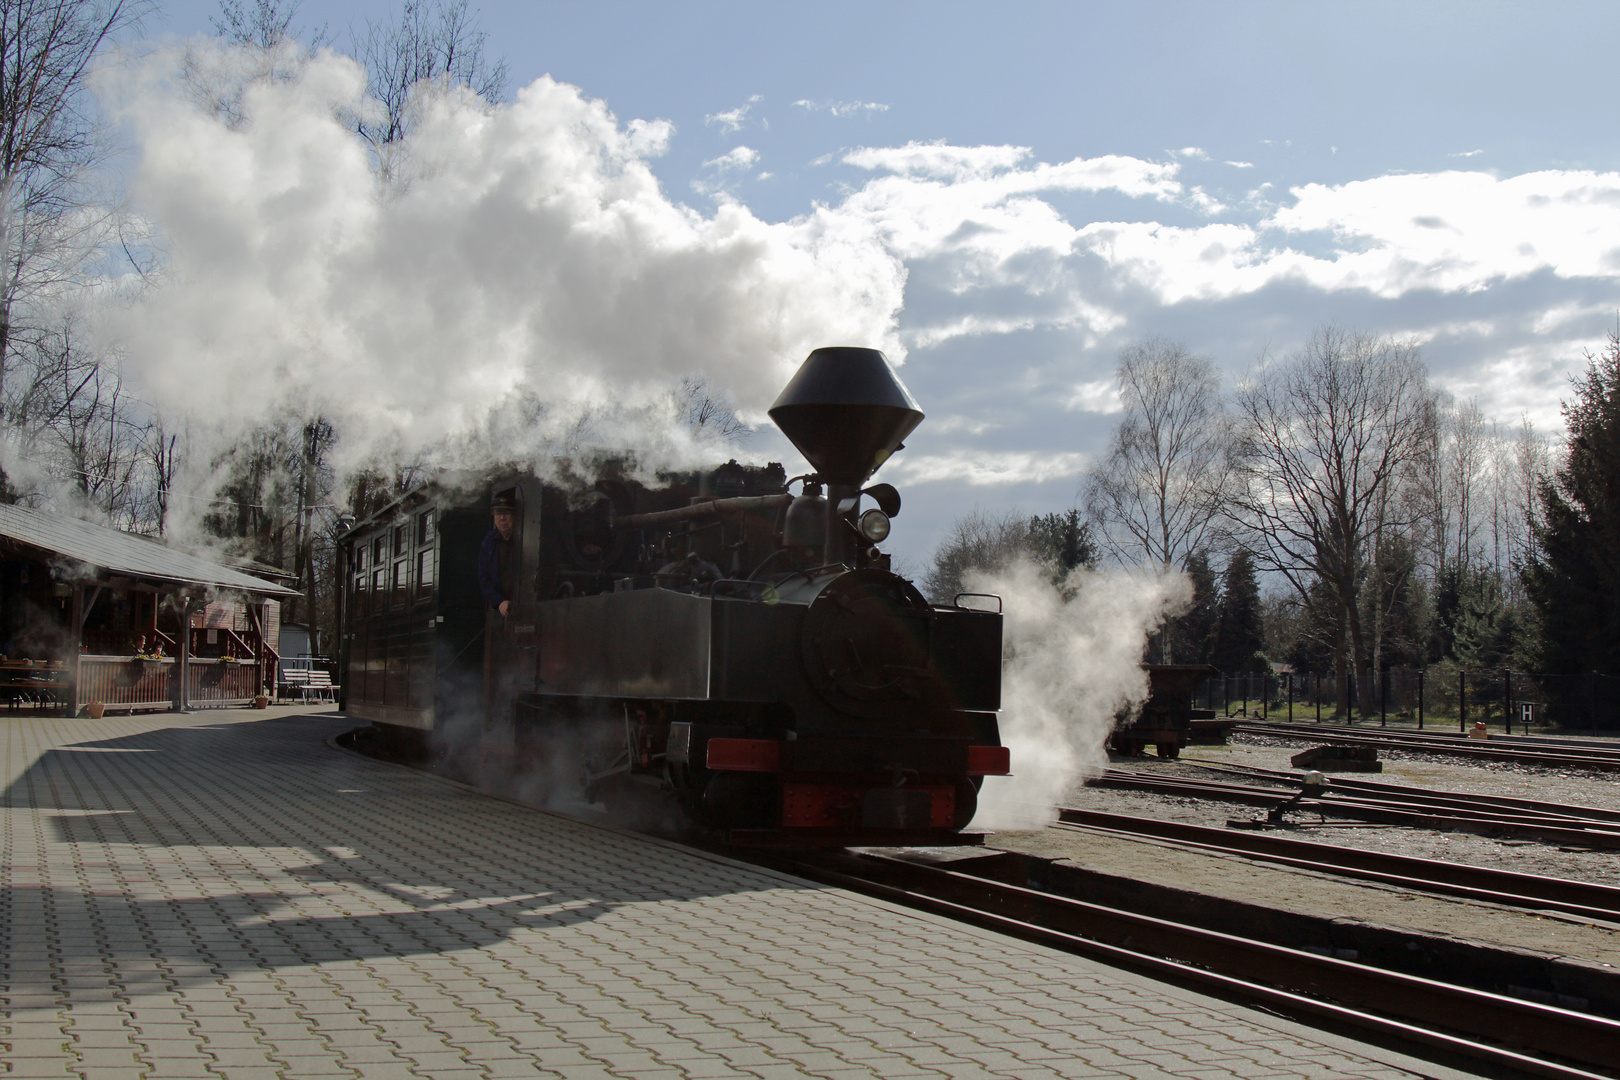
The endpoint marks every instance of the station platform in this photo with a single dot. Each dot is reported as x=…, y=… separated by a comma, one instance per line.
x=223, y=894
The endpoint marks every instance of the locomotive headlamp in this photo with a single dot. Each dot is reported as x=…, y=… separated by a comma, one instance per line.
x=875, y=526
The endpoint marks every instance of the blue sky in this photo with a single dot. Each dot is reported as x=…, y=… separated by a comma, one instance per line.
x=1083, y=175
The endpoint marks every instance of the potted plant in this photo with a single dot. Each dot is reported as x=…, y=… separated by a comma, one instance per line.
x=95, y=709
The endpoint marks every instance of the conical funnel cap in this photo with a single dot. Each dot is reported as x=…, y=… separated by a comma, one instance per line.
x=846, y=411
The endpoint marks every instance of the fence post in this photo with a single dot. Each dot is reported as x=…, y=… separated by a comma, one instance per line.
x=1420, y=698
x=1462, y=702
x=1316, y=687
x=1383, y=698
x=1290, y=697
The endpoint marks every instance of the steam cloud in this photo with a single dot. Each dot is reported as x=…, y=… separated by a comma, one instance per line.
x=514, y=270
x=1073, y=662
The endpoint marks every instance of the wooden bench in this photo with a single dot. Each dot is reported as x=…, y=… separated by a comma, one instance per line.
x=308, y=685
x=321, y=686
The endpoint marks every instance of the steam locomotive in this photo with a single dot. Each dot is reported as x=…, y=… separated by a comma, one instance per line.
x=722, y=645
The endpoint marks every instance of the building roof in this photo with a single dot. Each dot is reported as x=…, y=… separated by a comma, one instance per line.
x=124, y=553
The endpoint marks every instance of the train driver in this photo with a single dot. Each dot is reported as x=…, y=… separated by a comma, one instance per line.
x=495, y=558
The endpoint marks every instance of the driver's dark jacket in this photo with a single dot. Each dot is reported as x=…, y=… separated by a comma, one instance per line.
x=495, y=569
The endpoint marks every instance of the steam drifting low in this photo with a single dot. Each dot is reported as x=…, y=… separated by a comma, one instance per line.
x=1074, y=654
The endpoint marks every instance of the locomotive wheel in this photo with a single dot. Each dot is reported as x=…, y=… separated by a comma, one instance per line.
x=1168, y=750
x=967, y=801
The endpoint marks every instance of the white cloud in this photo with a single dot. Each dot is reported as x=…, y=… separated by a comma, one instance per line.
x=733, y=119
x=1194, y=152
x=984, y=468
x=1526, y=381
x=950, y=425
x=996, y=167
x=1241, y=164
x=1459, y=231
x=1562, y=315
x=741, y=157
x=842, y=108
x=1100, y=396
x=1467, y=153
x=649, y=138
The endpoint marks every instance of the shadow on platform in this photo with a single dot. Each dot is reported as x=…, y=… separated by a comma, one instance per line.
x=203, y=848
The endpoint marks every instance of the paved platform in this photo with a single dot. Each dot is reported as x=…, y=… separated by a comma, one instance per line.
x=224, y=895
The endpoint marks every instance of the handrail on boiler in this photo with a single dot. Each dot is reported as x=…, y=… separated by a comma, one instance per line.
x=712, y=508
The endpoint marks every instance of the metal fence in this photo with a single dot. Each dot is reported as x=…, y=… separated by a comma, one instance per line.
x=1437, y=696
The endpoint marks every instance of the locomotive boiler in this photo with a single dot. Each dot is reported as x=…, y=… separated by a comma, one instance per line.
x=732, y=645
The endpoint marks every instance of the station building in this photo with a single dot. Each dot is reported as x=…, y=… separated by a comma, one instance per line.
x=95, y=617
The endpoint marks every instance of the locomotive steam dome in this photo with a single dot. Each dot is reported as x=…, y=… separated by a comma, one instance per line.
x=846, y=411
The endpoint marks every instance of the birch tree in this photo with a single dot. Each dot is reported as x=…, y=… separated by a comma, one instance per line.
x=49, y=141
x=1159, y=493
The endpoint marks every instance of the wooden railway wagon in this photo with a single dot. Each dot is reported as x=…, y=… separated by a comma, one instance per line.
x=1165, y=719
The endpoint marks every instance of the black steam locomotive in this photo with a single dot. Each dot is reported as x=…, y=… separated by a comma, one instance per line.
x=721, y=644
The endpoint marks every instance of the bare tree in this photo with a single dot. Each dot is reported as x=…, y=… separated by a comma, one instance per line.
x=1159, y=494
x=706, y=413
x=163, y=453
x=1327, y=434
x=48, y=139
x=264, y=24
x=432, y=41
x=1450, y=473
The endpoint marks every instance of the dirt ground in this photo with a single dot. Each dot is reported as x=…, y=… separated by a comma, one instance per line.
x=1326, y=896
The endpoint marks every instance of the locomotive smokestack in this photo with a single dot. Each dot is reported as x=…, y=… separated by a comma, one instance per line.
x=847, y=412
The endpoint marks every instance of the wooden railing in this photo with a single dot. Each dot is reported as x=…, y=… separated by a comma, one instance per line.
x=127, y=683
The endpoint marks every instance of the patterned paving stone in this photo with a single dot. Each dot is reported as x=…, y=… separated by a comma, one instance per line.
x=223, y=894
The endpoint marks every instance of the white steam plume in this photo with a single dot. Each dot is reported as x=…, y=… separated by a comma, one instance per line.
x=1074, y=656
x=518, y=271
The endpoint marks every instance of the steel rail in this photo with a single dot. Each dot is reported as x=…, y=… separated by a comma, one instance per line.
x=1431, y=735
x=1421, y=1011
x=1552, y=830
x=1342, y=782
x=1505, y=887
x=1454, y=746
x=1560, y=742
x=1353, y=793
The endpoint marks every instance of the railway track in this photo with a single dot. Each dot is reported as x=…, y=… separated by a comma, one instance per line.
x=1505, y=887
x=1393, y=805
x=1452, y=1022
x=1519, y=749
x=1344, y=782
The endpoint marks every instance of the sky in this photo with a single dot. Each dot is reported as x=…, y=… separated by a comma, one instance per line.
x=1003, y=196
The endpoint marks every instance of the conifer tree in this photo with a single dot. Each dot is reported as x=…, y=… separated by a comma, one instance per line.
x=1240, y=636
x=1573, y=576
x=1190, y=639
